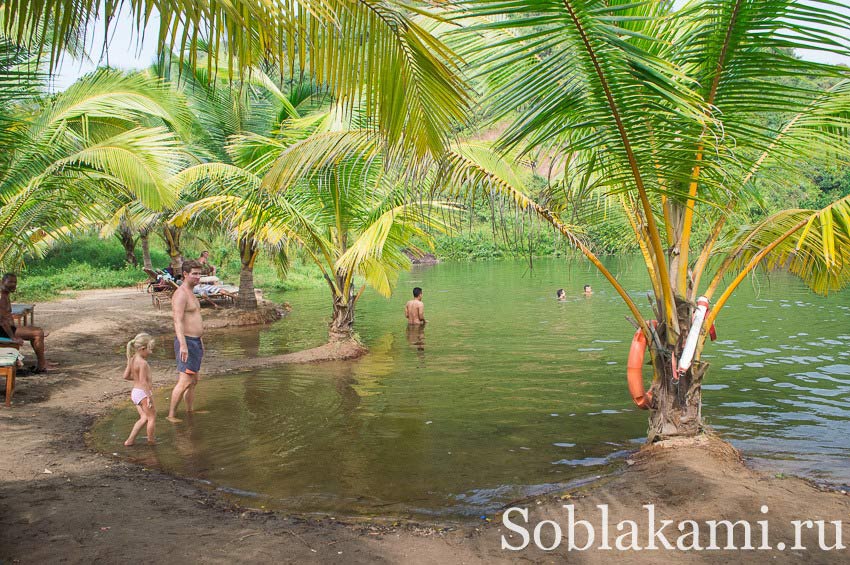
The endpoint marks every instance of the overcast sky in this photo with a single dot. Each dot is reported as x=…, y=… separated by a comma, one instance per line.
x=126, y=52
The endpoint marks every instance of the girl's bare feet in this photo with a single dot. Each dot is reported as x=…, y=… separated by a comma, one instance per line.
x=173, y=419
x=128, y=443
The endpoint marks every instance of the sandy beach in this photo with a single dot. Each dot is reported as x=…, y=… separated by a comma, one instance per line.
x=60, y=501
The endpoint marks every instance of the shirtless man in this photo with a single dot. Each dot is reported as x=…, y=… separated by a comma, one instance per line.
x=34, y=335
x=188, y=347
x=414, y=310
x=207, y=268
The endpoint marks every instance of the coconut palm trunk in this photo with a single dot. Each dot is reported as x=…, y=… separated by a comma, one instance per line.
x=171, y=234
x=341, y=327
x=128, y=242
x=248, y=255
x=676, y=405
x=144, y=238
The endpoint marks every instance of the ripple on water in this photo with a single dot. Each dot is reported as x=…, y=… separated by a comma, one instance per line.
x=592, y=461
x=354, y=437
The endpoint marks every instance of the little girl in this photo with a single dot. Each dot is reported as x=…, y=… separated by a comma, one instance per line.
x=139, y=372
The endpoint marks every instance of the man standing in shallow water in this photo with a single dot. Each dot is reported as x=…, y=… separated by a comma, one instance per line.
x=188, y=347
x=414, y=310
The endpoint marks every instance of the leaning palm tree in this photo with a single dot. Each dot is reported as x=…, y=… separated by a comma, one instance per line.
x=676, y=107
x=358, y=220
x=77, y=156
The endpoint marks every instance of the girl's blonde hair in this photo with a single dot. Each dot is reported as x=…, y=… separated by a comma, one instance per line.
x=141, y=341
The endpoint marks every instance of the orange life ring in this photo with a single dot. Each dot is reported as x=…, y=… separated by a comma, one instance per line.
x=634, y=371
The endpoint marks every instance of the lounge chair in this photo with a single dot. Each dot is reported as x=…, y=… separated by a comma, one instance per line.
x=10, y=360
x=164, y=291
x=144, y=286
x=217, y=295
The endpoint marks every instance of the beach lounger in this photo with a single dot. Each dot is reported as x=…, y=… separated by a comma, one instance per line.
x=10, y=360
x=161, y=287
x=164, y=296
x=153, y=276
x=217, y=295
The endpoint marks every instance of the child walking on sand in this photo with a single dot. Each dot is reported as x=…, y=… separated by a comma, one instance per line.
x=139, y=372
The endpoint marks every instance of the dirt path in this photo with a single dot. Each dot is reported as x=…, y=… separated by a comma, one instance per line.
x=59, y=501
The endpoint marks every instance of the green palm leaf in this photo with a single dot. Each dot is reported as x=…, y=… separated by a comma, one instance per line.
x=377, y=54
x=814, y=245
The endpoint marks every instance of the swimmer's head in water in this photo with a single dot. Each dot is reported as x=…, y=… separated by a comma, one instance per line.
x=561, y=293
x=417, y=292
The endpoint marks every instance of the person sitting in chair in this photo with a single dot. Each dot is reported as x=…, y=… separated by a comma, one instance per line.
x=34, y=335
x=207, y=268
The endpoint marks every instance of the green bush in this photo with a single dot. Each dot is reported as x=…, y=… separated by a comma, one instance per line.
x=86, y=263
x=94, y=251
x=74, y=276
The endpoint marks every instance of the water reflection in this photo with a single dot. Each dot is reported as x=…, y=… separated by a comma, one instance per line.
x=416, y=340
x=515, y=398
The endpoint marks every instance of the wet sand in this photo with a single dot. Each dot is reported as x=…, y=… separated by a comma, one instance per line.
x=61, y=501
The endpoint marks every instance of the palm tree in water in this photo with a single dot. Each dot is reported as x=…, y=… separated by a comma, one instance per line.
x=687, y=116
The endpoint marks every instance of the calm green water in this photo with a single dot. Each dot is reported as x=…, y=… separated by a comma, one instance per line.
x=505, y=393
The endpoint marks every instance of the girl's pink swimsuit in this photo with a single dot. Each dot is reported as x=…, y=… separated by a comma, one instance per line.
x=139, y=394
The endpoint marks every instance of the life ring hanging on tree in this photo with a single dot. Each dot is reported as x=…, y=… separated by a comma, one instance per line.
x=634, y=370
x=634, y=367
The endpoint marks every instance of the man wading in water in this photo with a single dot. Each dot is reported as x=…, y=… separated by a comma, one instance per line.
x=414, y=310
x=188, y=347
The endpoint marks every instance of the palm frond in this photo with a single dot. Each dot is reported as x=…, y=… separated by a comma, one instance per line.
x=407, y=79
x=140, y=160
x=812, y=244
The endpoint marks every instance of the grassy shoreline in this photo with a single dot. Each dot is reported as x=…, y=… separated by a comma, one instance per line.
x=95, y=263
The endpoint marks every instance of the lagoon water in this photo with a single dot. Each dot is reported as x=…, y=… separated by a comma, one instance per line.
x=504, y=394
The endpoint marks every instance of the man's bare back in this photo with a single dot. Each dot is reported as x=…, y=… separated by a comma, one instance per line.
x=414, y=310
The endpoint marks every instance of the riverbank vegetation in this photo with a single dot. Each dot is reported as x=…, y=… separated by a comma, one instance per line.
x=91, y=262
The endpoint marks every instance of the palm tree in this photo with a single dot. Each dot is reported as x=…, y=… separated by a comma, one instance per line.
x=358, y=220
x=77, y=156
x=677, y=109
x=349, y=212
x=231, y=116
x=132, y=223
x=230, y=198
x=378, y=56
